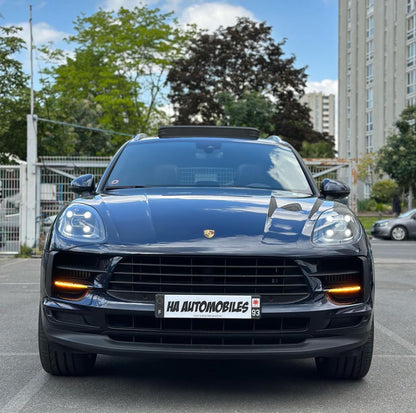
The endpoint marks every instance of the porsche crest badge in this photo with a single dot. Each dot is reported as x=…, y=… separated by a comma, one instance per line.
x=209, y=233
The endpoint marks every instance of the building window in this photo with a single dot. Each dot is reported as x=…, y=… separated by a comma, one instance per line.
x=370, y=49
x=410, y=5
x=349, y=81
x=411, y=101
x=411, y=82
x=369, y=73
x=411, y=54
x=370, y=27
x=411, y=27
x=369, y=98
x=348, y=106
x=369, y=143
x=348, y=61
x=369, y=123
x=348, y=148
x=349, y=39
x=370, y=6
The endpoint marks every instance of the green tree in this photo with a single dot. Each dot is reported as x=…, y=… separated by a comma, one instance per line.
x=323, y=149
x=114, y=80
x=252, y=109
x=398, y=157
x=234, y=68
x=384, y=191
x=367, y=167
x=14, y=98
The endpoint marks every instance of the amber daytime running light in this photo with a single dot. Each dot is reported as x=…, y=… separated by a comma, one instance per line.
x=344, y=290
x=70, y=286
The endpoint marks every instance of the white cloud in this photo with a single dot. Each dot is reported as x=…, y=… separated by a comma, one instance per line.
x=212, y=15
x=42, y=33
x=326, y=86
x=127, y=4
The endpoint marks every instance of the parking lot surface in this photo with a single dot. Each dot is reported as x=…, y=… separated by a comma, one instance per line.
x=131, y=385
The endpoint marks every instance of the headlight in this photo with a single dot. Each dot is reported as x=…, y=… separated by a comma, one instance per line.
x=81, y=223
x=383, y=224
x=336, y=226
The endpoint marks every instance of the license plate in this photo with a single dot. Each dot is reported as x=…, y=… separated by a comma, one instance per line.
x=207, y=306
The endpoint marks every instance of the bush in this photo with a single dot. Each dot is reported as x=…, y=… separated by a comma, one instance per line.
x=372, y=205
x=383, y=191
x=24, y=252
x=366, y=205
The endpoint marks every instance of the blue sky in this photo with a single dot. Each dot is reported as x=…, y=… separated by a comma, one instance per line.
x=310, y=26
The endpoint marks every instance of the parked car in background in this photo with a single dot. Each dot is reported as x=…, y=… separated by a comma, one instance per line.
x=398, y=229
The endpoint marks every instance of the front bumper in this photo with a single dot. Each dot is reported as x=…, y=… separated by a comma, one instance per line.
x=329, y=330
x=380, y=232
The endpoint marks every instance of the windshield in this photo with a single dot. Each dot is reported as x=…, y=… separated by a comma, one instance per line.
x=208, y=162
x=408, y=213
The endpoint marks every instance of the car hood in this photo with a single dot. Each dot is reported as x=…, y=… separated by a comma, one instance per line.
x=155, y=220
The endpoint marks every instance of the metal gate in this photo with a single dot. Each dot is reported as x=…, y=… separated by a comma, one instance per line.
x=342, y=169
x=9, y=209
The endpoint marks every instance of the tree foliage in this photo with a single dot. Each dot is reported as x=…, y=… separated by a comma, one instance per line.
x=236, y=68
x=323, y=149
x=398, y=157
x=384, y=191
x=367, y=167
x=114, y=80
x=14, y=97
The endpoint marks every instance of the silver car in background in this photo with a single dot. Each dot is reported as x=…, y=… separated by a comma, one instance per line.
x=398, y=229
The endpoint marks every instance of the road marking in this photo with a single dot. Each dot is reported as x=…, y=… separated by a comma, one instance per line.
x=395, y=356
x=399, y=340
x=6, y=354
x=18, y=402
x=8, y=264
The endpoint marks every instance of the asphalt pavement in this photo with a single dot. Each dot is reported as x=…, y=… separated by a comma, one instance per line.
x=130, y=385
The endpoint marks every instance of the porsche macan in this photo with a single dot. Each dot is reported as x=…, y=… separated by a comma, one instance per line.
x=207, y=242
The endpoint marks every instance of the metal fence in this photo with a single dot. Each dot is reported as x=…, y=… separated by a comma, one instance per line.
x=9, y=208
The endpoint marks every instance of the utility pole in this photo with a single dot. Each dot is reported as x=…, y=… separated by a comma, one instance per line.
x=29, y=201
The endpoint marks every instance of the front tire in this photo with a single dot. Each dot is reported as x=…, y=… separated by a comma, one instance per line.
x=60, y=361
x=353, y=365
x=398, y=233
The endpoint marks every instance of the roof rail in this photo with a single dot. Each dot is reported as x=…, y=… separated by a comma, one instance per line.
x=139, y=137
x=275, y=138
x=191, y=131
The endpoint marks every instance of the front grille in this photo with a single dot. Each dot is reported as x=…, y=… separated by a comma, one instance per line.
x=146, y=329
x=140, y=277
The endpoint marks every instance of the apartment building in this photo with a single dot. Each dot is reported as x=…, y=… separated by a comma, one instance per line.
x=322, y=111
x=377, y=72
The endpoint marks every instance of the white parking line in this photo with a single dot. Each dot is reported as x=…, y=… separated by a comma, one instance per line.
x=6, y=354
x=395, y=356
x=9, y=263
x=399, y=340
x=18, y=402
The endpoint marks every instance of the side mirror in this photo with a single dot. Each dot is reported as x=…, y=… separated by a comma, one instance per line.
x=332, y=189
x=83, y=184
